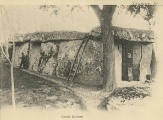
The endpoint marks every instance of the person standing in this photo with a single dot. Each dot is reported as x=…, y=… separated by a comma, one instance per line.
x=22, y=60
x=26, y=61
x=130, y=74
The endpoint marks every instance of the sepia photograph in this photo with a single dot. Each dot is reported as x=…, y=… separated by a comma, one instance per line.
x=81, y=60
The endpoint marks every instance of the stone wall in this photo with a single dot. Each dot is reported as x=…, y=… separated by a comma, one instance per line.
x=153, y=63
x=51, y=54
x=34, y=55
x=118, y=62
x=55, y=58
x=137, y=56
x=90, y=68
x=145, y=62
x=66, y=56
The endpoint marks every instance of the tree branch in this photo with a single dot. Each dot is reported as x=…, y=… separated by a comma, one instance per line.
x=5, y=55
x=97, y=11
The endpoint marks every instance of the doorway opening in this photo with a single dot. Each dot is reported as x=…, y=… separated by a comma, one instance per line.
x=130, y=71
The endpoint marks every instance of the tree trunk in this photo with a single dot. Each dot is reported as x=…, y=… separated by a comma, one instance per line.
x=109, y=80
x=12, y=86
x=12, y=76
x=6, y=50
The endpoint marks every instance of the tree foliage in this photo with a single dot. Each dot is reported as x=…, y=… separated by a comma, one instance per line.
x=146, y=11
x=56, y=8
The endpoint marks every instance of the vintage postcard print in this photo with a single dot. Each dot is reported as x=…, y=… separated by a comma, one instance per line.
x=86, y=60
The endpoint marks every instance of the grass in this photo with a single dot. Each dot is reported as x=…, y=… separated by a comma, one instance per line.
x=34, y=91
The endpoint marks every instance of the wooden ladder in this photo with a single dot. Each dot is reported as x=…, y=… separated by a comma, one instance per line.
x=76, y=62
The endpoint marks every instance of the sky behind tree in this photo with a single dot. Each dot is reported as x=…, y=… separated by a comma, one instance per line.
x=29, y=18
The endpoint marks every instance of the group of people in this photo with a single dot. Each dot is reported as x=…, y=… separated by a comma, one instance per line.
x=24, y=61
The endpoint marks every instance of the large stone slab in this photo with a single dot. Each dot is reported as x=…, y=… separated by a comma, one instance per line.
x=43, y=57
x=90, y=68
x=35, y=49
x=51, y=61
x=145, y=62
